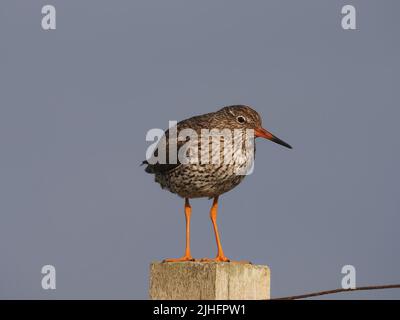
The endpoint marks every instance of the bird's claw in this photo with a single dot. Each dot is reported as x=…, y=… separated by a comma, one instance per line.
x=216, y=259
x=181, y=259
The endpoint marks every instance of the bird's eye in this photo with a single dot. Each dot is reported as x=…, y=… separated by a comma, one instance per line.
x=241, y=119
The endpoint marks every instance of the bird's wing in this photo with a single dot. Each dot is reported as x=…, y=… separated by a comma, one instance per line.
x=202, y=121
x=166, y=164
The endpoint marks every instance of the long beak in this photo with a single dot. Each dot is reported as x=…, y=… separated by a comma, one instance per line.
x=262, y=133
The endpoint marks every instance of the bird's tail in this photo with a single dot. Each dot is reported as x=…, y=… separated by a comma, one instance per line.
x=149, y=168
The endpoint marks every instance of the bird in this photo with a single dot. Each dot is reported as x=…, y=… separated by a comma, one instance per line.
x=207, y=179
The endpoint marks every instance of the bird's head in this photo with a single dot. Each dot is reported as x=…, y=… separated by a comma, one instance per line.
x=244, y=117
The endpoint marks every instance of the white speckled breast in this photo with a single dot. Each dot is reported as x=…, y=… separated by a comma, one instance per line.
x=195, y=180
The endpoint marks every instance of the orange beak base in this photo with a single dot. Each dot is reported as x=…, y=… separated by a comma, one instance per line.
x=262, y=133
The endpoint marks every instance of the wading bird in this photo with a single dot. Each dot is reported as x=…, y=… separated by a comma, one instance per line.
x=207, y=179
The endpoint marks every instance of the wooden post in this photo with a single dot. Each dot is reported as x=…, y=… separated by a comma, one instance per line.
x=208, y=281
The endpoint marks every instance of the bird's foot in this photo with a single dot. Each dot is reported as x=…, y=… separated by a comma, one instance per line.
x=216, y=259
x=244, y=262
x=181, y=259
x=224, y=259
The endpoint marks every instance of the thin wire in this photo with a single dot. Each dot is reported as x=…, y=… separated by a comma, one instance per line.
x=321, y=293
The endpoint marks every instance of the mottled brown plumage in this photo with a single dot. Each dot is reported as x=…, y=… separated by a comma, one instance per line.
x=197, y=179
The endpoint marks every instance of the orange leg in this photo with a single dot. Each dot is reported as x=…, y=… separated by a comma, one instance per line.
x=213, y=215
x=187, y=256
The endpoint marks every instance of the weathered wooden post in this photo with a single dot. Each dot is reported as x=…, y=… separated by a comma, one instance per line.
x=209, y=281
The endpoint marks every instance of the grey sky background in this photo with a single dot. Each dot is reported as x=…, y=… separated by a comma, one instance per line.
x=76, y=103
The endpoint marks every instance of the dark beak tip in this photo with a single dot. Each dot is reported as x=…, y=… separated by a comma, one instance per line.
x=282, y=143
x=289, y=146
